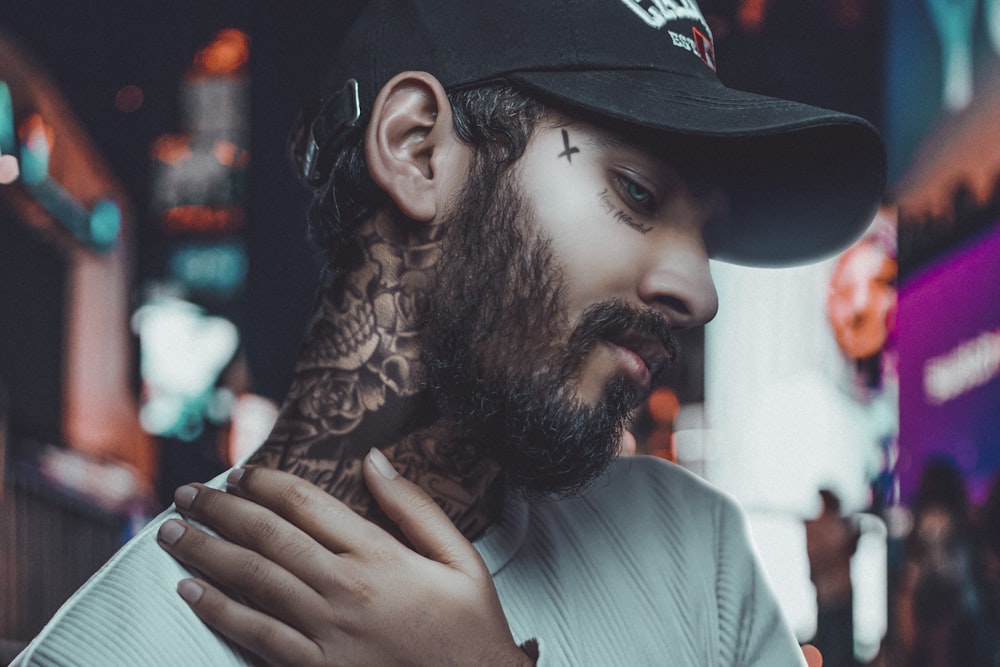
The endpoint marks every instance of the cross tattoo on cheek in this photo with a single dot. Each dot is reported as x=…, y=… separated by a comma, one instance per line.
x=568, y=153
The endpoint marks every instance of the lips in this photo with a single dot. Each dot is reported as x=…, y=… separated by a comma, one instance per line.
x=644, y=357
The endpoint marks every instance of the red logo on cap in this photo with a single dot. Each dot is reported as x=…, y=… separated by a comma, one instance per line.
x=704, y=47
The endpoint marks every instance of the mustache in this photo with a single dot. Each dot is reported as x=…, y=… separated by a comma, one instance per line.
x=614, y=318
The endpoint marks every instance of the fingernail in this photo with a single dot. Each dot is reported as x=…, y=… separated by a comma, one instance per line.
x=233, y=480
x=184, y=496
x=382, y=464
x=190, y=590
x=171, y=531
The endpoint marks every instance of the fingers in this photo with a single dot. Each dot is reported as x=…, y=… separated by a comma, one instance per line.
x=424, y=524
x=257, y=528
x=272, y=640
x=248, y=575
x=306, y=506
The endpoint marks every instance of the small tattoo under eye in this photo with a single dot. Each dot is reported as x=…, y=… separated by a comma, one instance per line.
x=605, y=200
x=568, y=153
x=619, y=215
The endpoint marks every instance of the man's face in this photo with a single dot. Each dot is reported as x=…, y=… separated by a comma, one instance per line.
x=561, y=281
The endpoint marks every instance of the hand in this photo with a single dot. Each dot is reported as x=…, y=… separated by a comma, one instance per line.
x=324, y=586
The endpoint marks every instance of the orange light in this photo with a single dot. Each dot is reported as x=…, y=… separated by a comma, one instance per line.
x=663, y=406
x=662, y=444
x=230, y=155
x=752, y=14
x=203, y=219
x=226, y=55
x=172, y=148
x=33, y=130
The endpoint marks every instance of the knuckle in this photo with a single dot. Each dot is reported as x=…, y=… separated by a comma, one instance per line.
x=358, y=588
x=263, y=634
x=420, y=504
x=250, y=569
x=193, y=539
x=416, y=509
x=382, y=554
x=256, y=578
x=297, y=550
x=294, y=496
x=362, y=591
x=260, y=530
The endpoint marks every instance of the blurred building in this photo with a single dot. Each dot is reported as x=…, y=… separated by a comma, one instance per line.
x=77, y=464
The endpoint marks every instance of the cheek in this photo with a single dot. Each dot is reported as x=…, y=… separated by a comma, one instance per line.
x=587, y=246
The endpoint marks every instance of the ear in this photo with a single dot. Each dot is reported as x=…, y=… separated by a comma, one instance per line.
x=411, y=145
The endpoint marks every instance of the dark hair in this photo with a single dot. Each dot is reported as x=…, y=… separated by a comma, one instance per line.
x=496, y=120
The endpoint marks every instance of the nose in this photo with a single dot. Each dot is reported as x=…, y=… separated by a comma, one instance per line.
x=679, y=284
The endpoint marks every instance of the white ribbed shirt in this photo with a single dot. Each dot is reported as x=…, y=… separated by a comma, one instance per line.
x=649, y=566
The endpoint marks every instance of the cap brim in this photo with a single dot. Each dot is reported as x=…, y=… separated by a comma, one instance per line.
x=803, y=182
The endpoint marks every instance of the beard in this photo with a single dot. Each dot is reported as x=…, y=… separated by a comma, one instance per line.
x=502, y=358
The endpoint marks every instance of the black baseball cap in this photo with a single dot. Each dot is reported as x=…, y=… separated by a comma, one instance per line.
x=804, y=182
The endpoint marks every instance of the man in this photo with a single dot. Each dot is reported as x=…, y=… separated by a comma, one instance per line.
x=518, y=202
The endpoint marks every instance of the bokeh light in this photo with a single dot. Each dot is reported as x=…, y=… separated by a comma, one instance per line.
x=129, y=98
x=105, y=223
x=9, y=169
x=226, y=55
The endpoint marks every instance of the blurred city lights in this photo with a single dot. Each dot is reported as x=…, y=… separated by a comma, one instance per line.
x=664, y=405
x=216, y=268
x=9, y=169
x=36, y=147
x=183, y=351
x=105, y=223
x=172, y=148
x=8, y=142
x=129, y=98
x=230, y=155
x=226, y=55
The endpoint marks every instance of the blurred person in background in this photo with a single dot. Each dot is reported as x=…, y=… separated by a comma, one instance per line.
x=989, y=531
x=831, y=540
x=941, y=617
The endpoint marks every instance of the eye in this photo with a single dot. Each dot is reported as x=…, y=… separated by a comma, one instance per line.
x=637, y=196
x=640, y=194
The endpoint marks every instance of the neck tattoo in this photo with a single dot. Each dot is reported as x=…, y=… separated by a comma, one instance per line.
x=357, y=385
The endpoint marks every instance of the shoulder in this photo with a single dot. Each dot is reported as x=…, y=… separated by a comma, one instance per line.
x=645, y=499
x=657, y=484
x=129, y=613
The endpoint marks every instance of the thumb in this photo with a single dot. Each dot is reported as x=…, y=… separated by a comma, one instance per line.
x=420, y=519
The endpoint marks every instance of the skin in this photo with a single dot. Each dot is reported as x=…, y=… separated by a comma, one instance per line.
x=351, y=392
x=330, y=588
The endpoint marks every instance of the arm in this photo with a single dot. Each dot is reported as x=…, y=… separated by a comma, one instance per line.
x=326, y=587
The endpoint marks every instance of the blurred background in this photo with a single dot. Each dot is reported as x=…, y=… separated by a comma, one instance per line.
x=155, y=279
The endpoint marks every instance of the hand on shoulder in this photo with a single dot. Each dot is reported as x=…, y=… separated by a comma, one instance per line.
x=300, y=579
